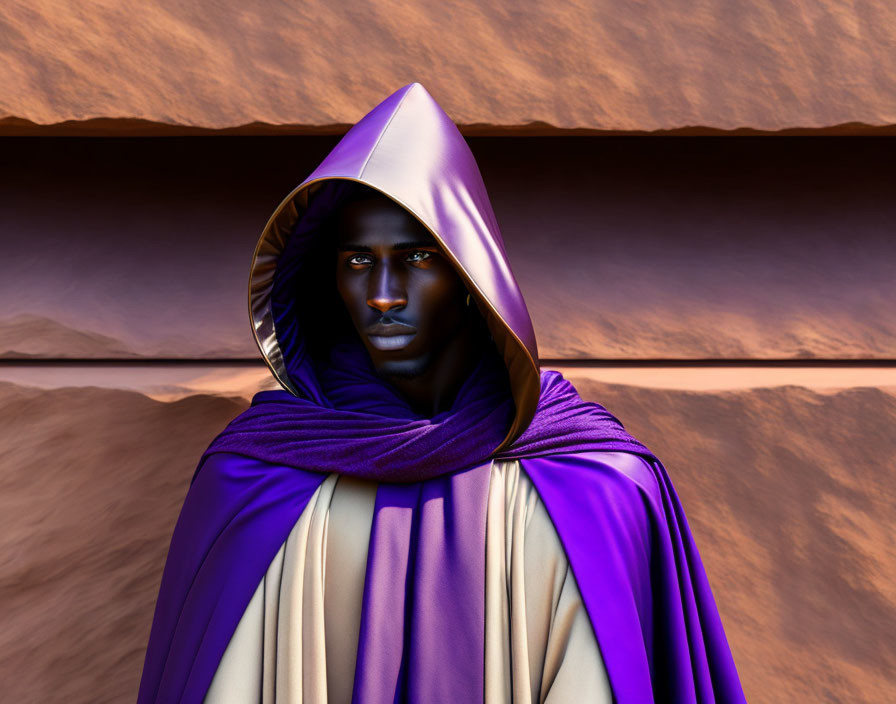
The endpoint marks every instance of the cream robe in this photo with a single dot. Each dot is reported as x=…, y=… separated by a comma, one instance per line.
x=297, y=640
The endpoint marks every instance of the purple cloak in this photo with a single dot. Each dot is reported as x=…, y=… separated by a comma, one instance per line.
x=422, y=630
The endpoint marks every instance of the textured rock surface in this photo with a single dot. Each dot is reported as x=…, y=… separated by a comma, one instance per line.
x=91, y=482
x=599, y=65
x=790, y=494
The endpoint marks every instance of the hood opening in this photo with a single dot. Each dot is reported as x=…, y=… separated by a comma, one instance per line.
x=309, y=315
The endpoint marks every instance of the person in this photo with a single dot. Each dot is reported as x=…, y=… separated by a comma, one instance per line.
x=422, y=514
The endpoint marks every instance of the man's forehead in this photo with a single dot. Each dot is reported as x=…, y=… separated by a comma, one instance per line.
x=380, y=220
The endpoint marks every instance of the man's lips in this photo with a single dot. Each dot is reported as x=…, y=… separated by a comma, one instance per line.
x=390, y=336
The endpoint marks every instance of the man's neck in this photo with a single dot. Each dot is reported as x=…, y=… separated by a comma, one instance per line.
x=434, y=390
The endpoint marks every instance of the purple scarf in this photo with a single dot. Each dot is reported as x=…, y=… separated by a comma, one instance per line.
x=369, y=431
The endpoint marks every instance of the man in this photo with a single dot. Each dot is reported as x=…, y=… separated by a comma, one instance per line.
x=421, y=514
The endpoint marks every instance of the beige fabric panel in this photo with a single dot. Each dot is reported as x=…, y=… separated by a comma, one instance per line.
x=297, y=640
x=348, y=537
x=539, y=644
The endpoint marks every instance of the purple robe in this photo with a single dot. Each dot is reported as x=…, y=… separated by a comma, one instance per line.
x=619, y=520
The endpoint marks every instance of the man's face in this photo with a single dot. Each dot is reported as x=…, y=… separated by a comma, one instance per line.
x=404, y=297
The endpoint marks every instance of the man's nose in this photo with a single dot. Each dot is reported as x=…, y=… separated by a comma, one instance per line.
x=385, y=290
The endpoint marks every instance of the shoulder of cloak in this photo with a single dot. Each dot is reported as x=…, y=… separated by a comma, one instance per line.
x=641, y=578
x=237, y=511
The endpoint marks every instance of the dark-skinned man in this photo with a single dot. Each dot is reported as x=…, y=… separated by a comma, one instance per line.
x=422, y=514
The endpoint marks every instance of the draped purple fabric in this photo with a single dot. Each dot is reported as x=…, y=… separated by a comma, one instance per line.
x=422, y=623
x=374, y=429
x=640, y=576
x=422, y=637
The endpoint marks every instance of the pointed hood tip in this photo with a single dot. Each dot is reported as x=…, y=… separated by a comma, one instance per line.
x=400, y=93
x=415, y=85
x=415, y=88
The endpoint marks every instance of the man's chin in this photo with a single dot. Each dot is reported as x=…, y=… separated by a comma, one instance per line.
x=403, y=368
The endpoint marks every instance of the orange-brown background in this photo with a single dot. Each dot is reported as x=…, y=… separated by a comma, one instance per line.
x=125, y=345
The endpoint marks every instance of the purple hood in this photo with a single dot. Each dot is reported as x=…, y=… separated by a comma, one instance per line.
x=410, y=150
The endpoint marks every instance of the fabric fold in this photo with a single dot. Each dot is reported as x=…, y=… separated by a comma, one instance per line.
x=641, y=577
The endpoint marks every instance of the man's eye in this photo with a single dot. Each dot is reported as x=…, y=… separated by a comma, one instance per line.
x=358, y=259
x=413, y=256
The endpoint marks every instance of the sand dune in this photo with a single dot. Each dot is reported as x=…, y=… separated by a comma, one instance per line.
x=664, y=328
x=30, y=336
x=790, y=494
x=26, y=336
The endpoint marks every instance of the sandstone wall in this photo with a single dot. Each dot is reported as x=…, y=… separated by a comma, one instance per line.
x=316, y=66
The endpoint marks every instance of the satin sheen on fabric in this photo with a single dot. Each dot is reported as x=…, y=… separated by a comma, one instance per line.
x=612, y=503
x=298, y=638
